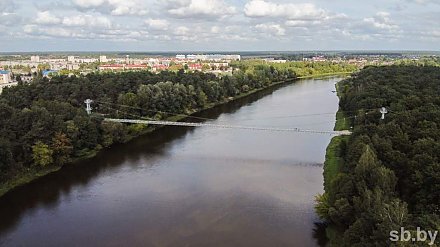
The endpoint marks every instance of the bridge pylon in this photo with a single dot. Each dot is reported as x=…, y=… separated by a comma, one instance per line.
x=88, y=103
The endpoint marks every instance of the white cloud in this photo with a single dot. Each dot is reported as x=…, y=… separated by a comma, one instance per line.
x=381, y=21
x=215, y=29
x=200, y=8
x=115, y=7
x=274, y=29
x=46, y=18
x=10, y=20
x=157, y=24
x=88, y=3
x=203, y=24
x=261, y=8
x=424, y=1
x=128, y=7
x=7, y=6
x=87, y=21
x=181, y=31
x=81, y=20
x=47, y=31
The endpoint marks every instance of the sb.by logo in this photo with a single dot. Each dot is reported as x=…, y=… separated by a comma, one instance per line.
x=406, y=236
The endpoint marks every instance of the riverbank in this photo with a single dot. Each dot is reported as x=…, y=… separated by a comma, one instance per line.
x=325, y=75
x=333, y=162
x=32, y=174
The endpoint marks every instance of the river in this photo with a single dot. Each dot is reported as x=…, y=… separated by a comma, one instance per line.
x=181, y=186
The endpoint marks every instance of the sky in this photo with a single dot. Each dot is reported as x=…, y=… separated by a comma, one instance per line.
x=218, y=25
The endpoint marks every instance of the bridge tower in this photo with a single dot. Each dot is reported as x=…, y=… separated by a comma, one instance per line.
x=88, y=107
x=384, y=111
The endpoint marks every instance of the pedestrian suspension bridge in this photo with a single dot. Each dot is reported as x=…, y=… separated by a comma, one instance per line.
x=224, y=126
x=211, y=125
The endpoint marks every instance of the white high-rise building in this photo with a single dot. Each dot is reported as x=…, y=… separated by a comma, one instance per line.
x=71, y=59
x=103, y=59
x=35, y=59
x=5, y=76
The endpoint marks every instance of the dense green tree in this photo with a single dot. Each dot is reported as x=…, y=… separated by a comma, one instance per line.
x=390, y=174
x=62, y=148
x=42, y=154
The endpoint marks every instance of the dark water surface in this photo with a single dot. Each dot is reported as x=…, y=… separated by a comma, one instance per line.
x=184, y=186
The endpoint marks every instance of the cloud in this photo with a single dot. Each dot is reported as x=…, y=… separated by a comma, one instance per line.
x=381, y=21
x=87, y=21
x=114, y=7
x=48, y=31
x=10, y=20
x=181, y=31
x=84, y=34
x=211, y=24
x=157, y=24
x=274, y=29
x=424, y=1
x=199, y=8
x=7, y=6
x=46, y=18
x=80, y=20
x=261, y=8
x=88, y=3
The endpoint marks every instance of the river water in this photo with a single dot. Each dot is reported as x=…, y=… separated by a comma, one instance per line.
x=181, y=186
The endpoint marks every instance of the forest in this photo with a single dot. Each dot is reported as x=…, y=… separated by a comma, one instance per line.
x=388, y=174
x=44, y=125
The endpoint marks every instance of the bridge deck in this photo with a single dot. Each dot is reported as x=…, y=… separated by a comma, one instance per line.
x=222, y=126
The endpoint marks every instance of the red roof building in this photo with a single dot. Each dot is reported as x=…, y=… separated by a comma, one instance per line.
x=195, y=66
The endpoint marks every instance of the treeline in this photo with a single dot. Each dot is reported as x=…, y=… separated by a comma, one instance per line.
x=44, y=124
x=297, y=68
x=389, y=176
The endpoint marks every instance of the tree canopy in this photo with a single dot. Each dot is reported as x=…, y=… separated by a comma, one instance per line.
x=390, y=174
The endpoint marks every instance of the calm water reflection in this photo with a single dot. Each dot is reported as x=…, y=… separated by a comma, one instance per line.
x=190, y=186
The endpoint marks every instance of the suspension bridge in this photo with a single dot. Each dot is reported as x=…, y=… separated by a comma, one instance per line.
x=224, y=126
x=212, y=125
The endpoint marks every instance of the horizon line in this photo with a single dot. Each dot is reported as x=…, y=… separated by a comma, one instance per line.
x=220, y=51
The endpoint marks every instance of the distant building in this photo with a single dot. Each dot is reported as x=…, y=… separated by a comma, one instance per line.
x=87, y=60
x=273, y=60
x=103, y=59
x=136, y=67
x=180, y=56
x=191, y=57
x=121, y=67
x=72, y=66
x=158, y=67
x=195, y=66
x=213, y=57
x=111, y=67
x=35, y=59
x=6, y=79
x=71, y=59
x=319, y=59
x=5, y=76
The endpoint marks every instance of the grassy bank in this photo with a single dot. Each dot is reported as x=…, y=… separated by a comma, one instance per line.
x=325, y=74
x=29, y=175
x=333, y=162
x=333, y=159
